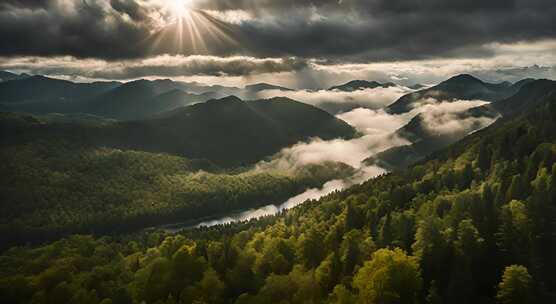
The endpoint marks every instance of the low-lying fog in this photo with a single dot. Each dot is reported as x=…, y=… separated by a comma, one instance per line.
x=377, y=129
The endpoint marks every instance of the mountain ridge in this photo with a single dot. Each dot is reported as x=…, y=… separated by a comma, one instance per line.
x=462, y=86
x=355, y=85
x=228, y=131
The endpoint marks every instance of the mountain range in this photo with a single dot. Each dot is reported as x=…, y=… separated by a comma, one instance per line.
x=229, y=131
x=460, y=87
x=470, y=223
x=143, y=101
x=114, y=100
x=425, y=141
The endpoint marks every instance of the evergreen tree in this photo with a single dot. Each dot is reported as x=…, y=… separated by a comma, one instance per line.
x=516, y=286
x=433, y=297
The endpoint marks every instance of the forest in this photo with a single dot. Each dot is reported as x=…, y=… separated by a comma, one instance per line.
x=55, y=188
x=473, y=223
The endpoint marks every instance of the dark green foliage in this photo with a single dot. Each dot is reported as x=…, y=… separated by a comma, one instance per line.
x=516, y=286
x=52, y=189
x=452, y=215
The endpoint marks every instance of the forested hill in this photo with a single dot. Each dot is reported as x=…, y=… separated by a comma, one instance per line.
x=426, y=141
x=475, y=223
x=229, y=132
x=531, y=94
x=462, y=86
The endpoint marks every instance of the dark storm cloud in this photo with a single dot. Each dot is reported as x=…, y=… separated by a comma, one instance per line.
x=77, y=28
x=332, y=30
x=131, y=8
x=24, y=3
x=398, y=30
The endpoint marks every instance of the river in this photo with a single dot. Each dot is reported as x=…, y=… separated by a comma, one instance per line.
x=244, y=215
x=240, y=216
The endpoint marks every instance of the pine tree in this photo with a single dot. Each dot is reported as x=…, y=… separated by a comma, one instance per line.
x=516, y=286
x=433, y=297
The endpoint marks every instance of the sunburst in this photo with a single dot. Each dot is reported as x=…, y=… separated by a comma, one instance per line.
x=179, y=8
x=187, y=30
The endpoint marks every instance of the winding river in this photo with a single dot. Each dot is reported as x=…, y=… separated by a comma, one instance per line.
x=255, y=213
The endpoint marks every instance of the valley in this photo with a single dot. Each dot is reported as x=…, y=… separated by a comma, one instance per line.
x=79, y=189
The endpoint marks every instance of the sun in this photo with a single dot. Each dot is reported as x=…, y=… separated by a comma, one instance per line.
x=178, y=8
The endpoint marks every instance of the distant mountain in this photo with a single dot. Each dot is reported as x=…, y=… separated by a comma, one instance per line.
x=44, y=89
x=200, y=88
x=458, y=87
x=123, y=101
x=132, y=100
x=251, y=92
x=424, y=141
x=531, y=92
x=6, y=76
x=141, y=99
x=229, y=132
x=416, y=86
x=257, y=87
x=355, y=85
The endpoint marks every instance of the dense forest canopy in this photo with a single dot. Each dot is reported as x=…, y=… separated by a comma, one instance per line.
x=475, y=222
x=50, y=188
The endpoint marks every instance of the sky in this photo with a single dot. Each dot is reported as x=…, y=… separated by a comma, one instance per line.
x=297, y=43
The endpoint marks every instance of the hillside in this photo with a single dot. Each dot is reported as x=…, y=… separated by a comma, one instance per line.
x=474, y=221
x=463, y=86
x=53, y=188
x=425, y=141
x=36, y=90
x=533, y=92
x=141, y=99
x=55, y=167
x=229, y=132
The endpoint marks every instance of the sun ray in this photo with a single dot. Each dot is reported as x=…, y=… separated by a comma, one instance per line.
x=189, y=31
x=178, y=8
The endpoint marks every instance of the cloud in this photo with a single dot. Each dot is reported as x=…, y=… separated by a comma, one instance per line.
x=431, y=105
x=378, y=134
x=376, y=127
x=161, y=66
x=371, y=122
x=510, y=62
x=338, y=101
x=449, y=117
x=336, y=31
